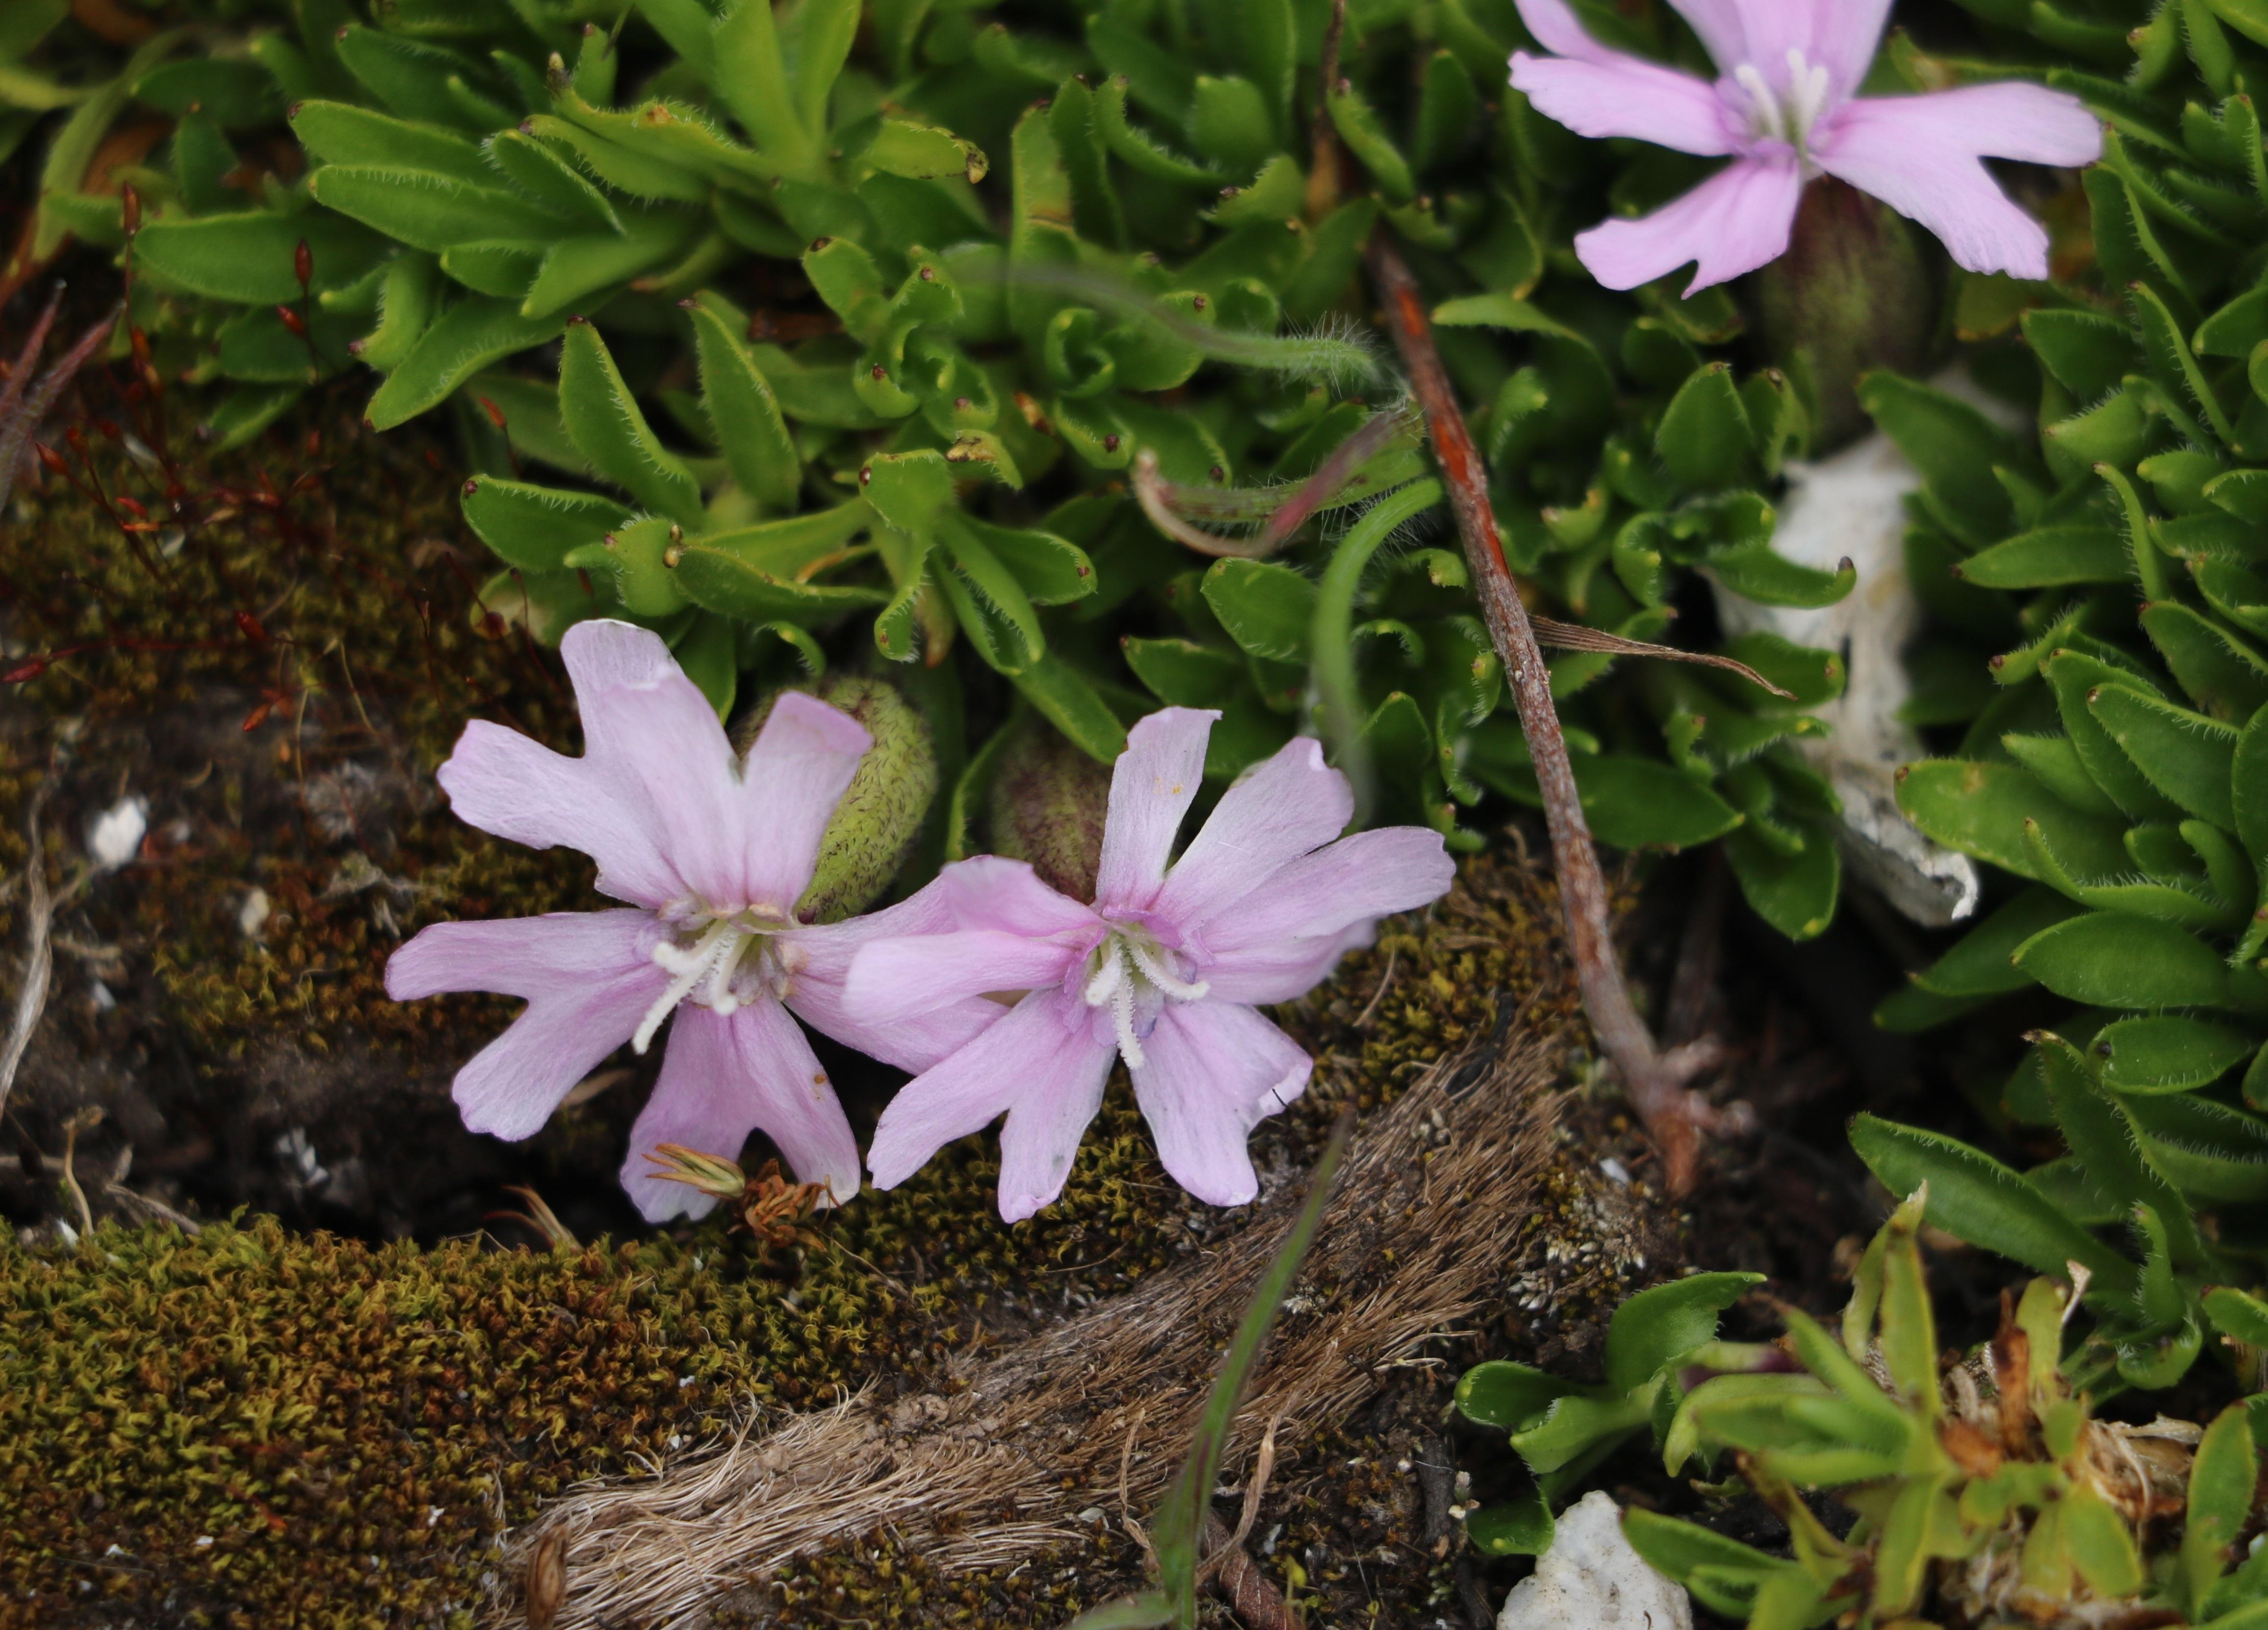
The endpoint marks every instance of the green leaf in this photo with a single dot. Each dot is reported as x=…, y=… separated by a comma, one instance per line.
x=1704, y=439
x=2186, y=755
x=2169, y=1052
x=2250, y=778
x=465, y=339
x=1049, y=570
x=556, y=186
x=1268, y=609
x=2088, y=351
x=533, y=527
x=1508, y=1396
x=751, y=80
x=923, y=152
x=992, y=609
x=1795, y=892
x=1723, y=1574
x=2102, y=1135
x=1063, y=697
x=250, y=257
x=1664, y=1323
x=2049, y=557
x=611, y=430
x=1979, y=807
x=1954, y=445
x=2207, y=1148
x=1521, y=1526
x=1358, y=126
x=1981, y=964
x=1178, y=1529
x=235, y=92
x=2224, y=676
x=2111, y=960
x=2222, y=1480
x=641, y=561
x=2073, y=676
x=426, y=208
x=749, y=429
x=340, y=133
x=1642, y=803
x=1975, y=1198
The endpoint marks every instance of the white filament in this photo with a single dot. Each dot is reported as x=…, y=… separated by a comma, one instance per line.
x=713, y=958
x=1786, y=119
x=1124, y=963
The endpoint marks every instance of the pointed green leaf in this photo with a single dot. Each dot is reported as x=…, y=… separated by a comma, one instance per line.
x=612, y=432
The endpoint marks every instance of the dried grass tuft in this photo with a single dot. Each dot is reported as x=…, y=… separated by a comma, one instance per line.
x=1417, y=1240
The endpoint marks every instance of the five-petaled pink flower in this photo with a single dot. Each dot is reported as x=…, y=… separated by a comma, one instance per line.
x=1784, y=109
x=713, y=855
x=1163, y=970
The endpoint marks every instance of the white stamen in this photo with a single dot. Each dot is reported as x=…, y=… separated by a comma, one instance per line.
x=1156, y=974
x=1122, y=1011
x=1109, y=977
x=1764, y=107
x=1807, y=95
x=688, y=967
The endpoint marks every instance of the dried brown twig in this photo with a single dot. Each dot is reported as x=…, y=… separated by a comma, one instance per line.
x=1655, y=1080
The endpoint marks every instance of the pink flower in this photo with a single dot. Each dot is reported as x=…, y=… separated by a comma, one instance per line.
x=712, y=854
x=1784, y=109
x=1164, y=969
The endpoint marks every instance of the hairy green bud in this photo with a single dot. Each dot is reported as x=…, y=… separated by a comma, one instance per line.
x=1854, y=293
x=1048, y=806
x=880, y=820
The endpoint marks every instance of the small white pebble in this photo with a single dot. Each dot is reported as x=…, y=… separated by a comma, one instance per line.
x=1615, y=1171
x=116, y=836
x=684, y=1382
x=104, y=1001
x=1093, y=1514
x=252, y=915
x=432, y=1516
x=203, y=1540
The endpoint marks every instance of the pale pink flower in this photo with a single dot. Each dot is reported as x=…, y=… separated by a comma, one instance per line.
x=1163, y=970
x=1785, y=108
x=712, y=854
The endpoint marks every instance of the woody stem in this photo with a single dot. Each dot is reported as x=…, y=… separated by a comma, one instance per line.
x=1654, y=1082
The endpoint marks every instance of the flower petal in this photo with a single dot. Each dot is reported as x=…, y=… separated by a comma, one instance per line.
x=892, y=979
x=1281, y=940
x=1287, y=969
x=1156, y=778
x=1628, y=98
x=587, y=978
x=987, y=891
x=1721, y=28
x=796, y=771
x=1845, y=36
x=1736, y=221
x=1212, y=1071
x=502, y=782
x=1042, y=1061
x=1290, y=804
x=1919, y=154
x=723, y=1077
x=651, y=736
x=818, y=962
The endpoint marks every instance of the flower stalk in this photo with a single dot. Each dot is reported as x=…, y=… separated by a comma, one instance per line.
x=1655, y=1080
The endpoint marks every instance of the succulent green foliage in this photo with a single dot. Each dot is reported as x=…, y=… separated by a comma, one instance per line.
x=782, y=329
x=2098, y=663
x=1563, y=1430
x=1983, y=1492
x=1177, y=1531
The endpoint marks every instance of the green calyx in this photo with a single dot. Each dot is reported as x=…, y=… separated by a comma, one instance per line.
x=1048, y=804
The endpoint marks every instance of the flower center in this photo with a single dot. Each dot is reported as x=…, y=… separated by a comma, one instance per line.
x=705, y=964
x=1128, y=970
x=1784, y=116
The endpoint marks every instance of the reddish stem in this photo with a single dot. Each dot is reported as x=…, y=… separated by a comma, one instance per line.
x=1654, y=1081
